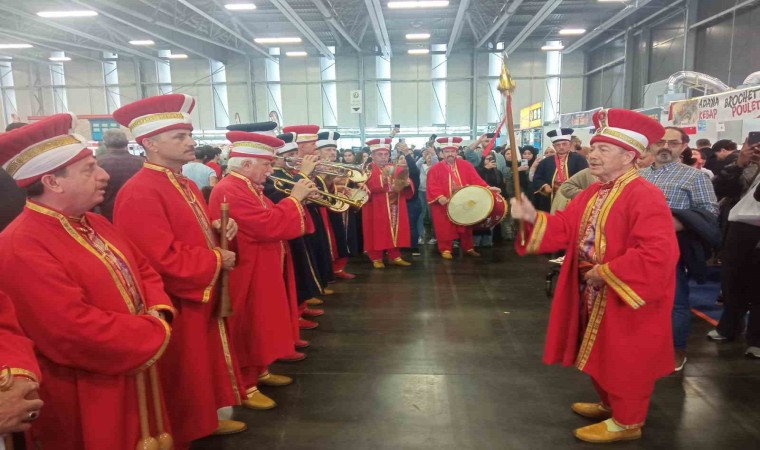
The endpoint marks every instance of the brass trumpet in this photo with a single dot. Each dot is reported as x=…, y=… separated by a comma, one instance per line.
x=354, y=172
x=333, y=202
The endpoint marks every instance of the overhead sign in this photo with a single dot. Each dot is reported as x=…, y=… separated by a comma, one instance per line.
x=732, y=105
x=356, y=102
x=580, y=119
x=532, y=116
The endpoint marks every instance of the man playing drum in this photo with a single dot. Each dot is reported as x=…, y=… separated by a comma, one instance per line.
x=444, y=179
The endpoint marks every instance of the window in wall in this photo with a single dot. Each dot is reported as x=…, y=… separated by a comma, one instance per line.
x=329, y=91
x=8, y=93
x=219, y=92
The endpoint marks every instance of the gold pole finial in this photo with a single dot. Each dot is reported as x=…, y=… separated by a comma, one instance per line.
x=506, y=84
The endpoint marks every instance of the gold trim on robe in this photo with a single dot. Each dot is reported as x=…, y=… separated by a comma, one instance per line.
x=537, y=237
x=16, y=372
x=128, y=300
x=600, y=246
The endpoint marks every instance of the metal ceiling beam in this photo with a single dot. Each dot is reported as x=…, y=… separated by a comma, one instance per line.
x=153, y=21
x=240, y=26
x=535, y=21
x=76, y=32
x=472, y=26
x=239, y=36
x=377, y=20
x=27, y=58
x=612, y=21
x=330, y=18
x=511, y=9
x=141, y=29
x=456, y=29
x=51, y=47
x=21, y=35
x=301, y=26
x=644, y=21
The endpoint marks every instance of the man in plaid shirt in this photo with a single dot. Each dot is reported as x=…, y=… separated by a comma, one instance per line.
x=685, y=188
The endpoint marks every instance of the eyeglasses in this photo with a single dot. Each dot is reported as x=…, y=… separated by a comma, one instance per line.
x=669, y=143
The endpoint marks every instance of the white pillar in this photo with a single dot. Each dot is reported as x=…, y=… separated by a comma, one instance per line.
x=438, y=72
x=552, y=88
x=494, y=96
x=383, y=75
x=329, y=91
x=219, y=91
x=274, y=92
x=58, y=81
x=111, y=81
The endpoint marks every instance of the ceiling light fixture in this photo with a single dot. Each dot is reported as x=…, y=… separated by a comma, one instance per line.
x=296, y=53
x=418, y=36
x=177, y=56
x=65, y=14
x=15, y=46
x=59, y=58
x=420, y=4
x=142, y=42
x=240, y=6
x=552, y=48
x=278, y=40
x=418, y=51
x=572, y=31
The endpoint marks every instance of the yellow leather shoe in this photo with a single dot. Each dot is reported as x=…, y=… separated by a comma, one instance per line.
x=447, y=255
x=378, y=264
x=258, y=401
x=598, y=434
x=327, y=291
x=401, y=262
x=592, y=410
x=270, y=379
x=229, y=427
x=314, y=301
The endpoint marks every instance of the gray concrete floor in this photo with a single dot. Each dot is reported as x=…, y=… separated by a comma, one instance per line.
x=446, y=355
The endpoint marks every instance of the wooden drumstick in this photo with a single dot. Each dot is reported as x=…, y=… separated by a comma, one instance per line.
x=165, y=441
x=225, y=303
x=147, y=442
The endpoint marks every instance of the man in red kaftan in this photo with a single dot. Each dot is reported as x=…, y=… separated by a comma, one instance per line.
x=443, y=180
x=264, y=326
x=385, y=218
x=88, y=299
x=165, y=215
x=611, y=314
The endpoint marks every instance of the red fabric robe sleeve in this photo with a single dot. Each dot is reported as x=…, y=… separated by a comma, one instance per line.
x=16, y=350
x=375, y=182
x=438, y=184
x=553, y=232
x=187, y=271
x=280, y=222
x=71, y=332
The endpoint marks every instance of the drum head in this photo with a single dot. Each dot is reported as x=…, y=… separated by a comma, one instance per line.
x=470, y=205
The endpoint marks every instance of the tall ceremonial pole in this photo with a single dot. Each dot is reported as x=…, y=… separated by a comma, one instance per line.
x=225, y=304
x=507, y=87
